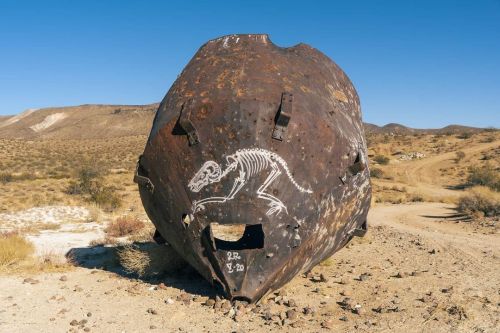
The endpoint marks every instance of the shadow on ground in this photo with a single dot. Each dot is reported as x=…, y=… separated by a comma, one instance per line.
x=165, y=265
x=454, y=217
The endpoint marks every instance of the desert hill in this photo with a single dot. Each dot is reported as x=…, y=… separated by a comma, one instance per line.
x=98, y=121
x=79, y=122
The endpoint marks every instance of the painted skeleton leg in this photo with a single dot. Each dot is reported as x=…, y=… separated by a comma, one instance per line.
x=238, y=184
x=276, y=205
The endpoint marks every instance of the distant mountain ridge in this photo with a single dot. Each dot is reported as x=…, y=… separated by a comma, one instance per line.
x=97, y=121
x=401, y=129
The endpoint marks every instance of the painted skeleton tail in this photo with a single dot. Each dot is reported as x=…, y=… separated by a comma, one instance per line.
x=283, y=163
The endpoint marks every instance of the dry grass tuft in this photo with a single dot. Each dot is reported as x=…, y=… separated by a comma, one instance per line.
x=14, y=249
x=480, y=201
x=124, y=226
x=149, y=259
x=134, y=260
x=16, y=256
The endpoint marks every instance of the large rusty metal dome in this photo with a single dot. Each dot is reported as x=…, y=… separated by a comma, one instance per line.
x=268, y=141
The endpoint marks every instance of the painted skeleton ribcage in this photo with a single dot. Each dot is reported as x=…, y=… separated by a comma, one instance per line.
x=254, y=161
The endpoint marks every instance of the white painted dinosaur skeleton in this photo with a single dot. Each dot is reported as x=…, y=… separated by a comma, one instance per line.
x=249, y=163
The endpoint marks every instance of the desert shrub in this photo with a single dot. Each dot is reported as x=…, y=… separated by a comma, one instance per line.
x=134, y=260
x=90, y=183
x=416, y=197
x=480, y=201
x=5, y=177
x=124, y=226
x=377, y=173
x=14, y=248
x=486, y=175
x=105, y=197
x=381, y=159
x=459, y=155
x=464, y=135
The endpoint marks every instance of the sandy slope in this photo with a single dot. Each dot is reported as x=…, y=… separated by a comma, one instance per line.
x=416, y=271
x=423, y=176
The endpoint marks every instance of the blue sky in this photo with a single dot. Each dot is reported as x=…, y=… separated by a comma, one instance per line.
x=419, y=63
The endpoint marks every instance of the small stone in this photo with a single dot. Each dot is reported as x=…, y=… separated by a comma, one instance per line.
x=52, y=319
x=169, y=301
x=308, y=310
x=185, y=298
x=433, y=251
x=297, y=324
x=323, y=278
x=344, y=281
x=89, y=314
x=291, y=314
x=291, y=303
x=86, y=329
x=446, y=290
x=267, y=315
x=152, y=311
x=210, y=302
x=358, y=309
x=231, y=313
x=226, y=305
x=363, y=277
x=162, y=286
x=343, y=318
x=199, y=299
x=152, y=327
x=63, y=278
x=328, y=324
x=30, y=281
x=282, y=292
x=346, y=293
x=74, y=322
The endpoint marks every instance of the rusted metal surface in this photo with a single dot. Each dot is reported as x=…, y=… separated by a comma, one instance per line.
x=265, y=137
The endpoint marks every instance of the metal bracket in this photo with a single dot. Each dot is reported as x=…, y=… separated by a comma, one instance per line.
x=361, y=230
x=359, y=164
x=142, y=180
x=283, y=117
x=187, y=125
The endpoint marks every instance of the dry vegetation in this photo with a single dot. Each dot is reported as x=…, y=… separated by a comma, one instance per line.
x=125, y=226
x=73, y=172
x=435, y=167
x=14, y=249
x=479, y=202
x=17, y=256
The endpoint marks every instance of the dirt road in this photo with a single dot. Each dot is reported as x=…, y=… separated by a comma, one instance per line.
x=419, y=269
x=424, y=176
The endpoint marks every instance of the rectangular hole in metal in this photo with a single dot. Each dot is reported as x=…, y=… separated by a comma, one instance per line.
x=230, y=237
